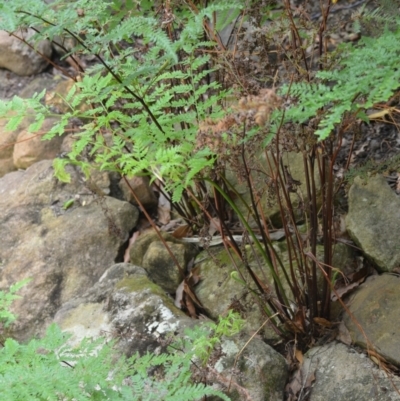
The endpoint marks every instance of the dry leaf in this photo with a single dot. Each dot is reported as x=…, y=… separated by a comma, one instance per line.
x=127, y=254
x=215, y=225
x=183, y=294
x=181, y=231
x=298, y=388
x=193, y=278
x=299, y=356
x=293, y=388
x=187, y=290
x=164, y=209
x=179, y=295
x=190, y=307
x=323, y=322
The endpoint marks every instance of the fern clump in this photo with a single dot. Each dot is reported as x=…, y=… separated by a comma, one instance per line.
x=366, y=74
x=51, y=369
x=144, y=98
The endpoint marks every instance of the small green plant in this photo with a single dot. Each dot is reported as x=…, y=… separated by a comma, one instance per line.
x=143, y=101
x=366, y=74
x=50, y=369
x=203, y=339
x=6, y=299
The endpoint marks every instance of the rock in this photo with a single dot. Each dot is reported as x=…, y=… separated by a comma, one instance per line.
x=63, y=250
x=150, y=253
x=141, y=187
x=7, y=141
x=45, y=81
x=67, y=44
x=343, y=374
x=375, y=306
x=124, y=304
x=31, y=148
x=373, y=221
x=261, y=372
x=295, y=164
x=218, y=291
x=55, y=97
x=19, y=58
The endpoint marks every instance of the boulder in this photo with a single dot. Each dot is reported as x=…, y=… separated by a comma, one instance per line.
x=251, y=369
x=150, y=253
x=125, y=305
x=30, y=148
x=142, y=189
x=20, y=58
x=375, y=306
x=62, y=236
x=265, y=190
x=221, y=288
x=7, y=141
x=339, y=373
x=373, y=221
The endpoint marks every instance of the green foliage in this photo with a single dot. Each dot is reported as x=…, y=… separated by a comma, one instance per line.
x=367, y=73
x=203, y=339
x=142, y=102
x=50, y=369
x=6, y=299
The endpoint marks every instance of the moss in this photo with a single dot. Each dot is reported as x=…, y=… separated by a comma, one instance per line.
x=138, y=284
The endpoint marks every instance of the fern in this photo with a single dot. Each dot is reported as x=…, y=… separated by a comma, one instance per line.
x=6, y=299
x=368, y=73
x=147, y=99
x=50, y=369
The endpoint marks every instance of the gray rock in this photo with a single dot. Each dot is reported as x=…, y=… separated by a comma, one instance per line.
x=7, y=141
x=342, y=373
x=21, y=59
x=373, y=221
x=150, y=253
x=142, y=189
x=375, y=305
x=126, y=305
x=251, y=369
x=295, y=167
x=218, y=291
x=63, y=250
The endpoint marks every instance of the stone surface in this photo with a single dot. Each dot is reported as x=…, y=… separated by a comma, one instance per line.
x=141, y=187
x=150, y=253
x=218, y=290
x=260, y=370
x=375, y=306
x=31, y=148
x=18, y=57
x=373, y=221
x=44, y=81
x=295, y=164
x=344, y=374
x=126, y=305
x=7, y=141
x=63, y=250
x=55, y=97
